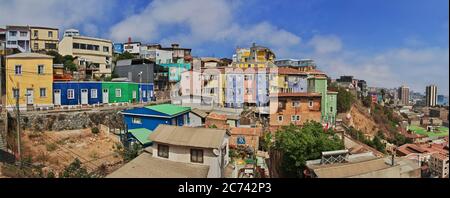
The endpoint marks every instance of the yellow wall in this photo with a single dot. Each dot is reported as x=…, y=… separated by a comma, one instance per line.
x=29, y=79
x=42, y=38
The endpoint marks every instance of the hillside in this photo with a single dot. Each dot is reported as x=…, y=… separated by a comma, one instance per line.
x=361, y=120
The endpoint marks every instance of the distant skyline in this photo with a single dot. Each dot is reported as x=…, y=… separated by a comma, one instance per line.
x=387, y=43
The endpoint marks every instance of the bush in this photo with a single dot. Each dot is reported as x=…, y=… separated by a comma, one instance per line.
x=95, y=130
x=51, y=147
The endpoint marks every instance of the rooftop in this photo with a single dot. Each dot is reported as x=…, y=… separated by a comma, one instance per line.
x=168, y=109
x=296, y=95
x=186, y=136
x=246, y=131
x=141, y=135
x=29, y=55
x=146, y=166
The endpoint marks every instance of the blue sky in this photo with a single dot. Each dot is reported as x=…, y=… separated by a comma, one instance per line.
x=386, y=42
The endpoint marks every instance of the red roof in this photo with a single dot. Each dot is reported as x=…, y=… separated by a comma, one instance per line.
x=217, y=116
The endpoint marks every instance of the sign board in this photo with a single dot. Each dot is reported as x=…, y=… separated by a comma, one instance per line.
x=118, y=48
x=241, y=140
x=248, y=171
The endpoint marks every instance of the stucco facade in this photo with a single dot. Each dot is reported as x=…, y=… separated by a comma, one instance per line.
x=30, y=77
x=44, y=38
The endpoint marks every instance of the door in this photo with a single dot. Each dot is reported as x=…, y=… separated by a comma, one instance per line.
x=30, y=97
x=84, y=96
x=57, y=97
x=105, y=96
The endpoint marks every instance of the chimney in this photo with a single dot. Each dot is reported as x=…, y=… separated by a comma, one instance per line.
x=129, y=40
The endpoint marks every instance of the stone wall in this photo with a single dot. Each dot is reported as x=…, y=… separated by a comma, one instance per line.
x=70, y=120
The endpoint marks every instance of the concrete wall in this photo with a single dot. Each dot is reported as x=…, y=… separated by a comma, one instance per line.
x=195, y=120
x=146, y=69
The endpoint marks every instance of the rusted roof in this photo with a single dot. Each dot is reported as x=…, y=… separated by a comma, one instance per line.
x=246, y=131
x=187, y=136
x=199, y=112
x=216, y=116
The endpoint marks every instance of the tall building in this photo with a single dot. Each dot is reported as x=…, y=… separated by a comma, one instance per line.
x=431, y=95
x=403, y=94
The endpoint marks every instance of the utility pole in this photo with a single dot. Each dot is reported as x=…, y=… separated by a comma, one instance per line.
x=140, y=87
x=18, y=129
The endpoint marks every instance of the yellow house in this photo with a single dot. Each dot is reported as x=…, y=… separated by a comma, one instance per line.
x=29, y=76
x=255, y=57
x=44, y=38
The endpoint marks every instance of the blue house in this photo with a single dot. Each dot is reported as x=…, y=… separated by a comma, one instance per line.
x=142, y=121
x=77, y=93
x=147, y=92
x=151, y=116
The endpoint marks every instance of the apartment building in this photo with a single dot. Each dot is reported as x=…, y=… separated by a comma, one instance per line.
x=18, y=38
x=439, y=165
x=93, y=55
x=294, y=108
x=44, y=39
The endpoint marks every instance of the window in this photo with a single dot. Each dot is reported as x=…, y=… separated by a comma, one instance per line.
x=50, y=46
x=13, y=33
x=163, y=151
x=35, y=33
x=82, y=46
x=105, y=49
x=90, y=47
x=96, y=48
x=296, y=103
x=43, y=92
x=93, y=93
x=137, y=120
x=23, y=34
x=12, y=42
x=41, y=69
x=50, y=34
x=295, y=118
x=15, y=93
x=70, y=94
x=331, y=109
x=118, y=93
x=196, y=155
x=280, y=118
x=36, y=46
x=18, y=70
x=76, y=46
x=311, y=103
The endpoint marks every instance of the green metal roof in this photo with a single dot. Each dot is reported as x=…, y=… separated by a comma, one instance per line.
x=141, y=135
x=169, y=109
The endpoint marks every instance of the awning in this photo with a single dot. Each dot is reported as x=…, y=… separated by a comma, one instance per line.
x=141, y=135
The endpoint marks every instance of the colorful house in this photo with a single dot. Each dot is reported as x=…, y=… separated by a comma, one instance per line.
x=91, y=93
x=151, y=116
x=120, y=92
x=29, y=77
x=77, y=93
x=175, y=70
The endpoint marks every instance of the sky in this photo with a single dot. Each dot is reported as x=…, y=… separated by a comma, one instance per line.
x=387, y=43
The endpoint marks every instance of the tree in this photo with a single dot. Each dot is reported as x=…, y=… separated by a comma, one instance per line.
x=75, y=170
x=383, y=94
x=344, y=100
x=367, y=101
x=57, y=58
x=301, y=144
x=125, y=56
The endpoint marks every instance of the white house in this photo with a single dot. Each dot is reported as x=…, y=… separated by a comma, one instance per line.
x=180, y=152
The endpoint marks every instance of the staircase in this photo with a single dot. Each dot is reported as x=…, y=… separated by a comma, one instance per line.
x=2, y=143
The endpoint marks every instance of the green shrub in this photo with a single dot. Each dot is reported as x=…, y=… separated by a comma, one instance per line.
x=95, y=130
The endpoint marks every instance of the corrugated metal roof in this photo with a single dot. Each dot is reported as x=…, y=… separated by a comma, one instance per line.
x=141, y=135
x=199, y=112
x=169, y=109
x=186, y=136
x=147, y=166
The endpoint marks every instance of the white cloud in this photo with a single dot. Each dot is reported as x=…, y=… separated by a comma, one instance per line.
x=202, y=20
x=323, y=44
x=54, y=13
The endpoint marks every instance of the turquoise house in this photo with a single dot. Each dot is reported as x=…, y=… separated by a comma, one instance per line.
x=175, y=70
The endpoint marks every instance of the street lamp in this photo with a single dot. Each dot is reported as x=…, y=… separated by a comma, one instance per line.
x=140, y=87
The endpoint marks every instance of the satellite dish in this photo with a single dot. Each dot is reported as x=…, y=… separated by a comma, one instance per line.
x=216, y=152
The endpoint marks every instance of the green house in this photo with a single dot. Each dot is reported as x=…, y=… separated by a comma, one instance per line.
x=328, y=101
x=118, y=92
